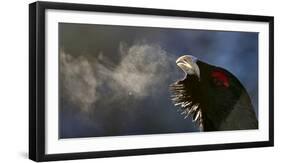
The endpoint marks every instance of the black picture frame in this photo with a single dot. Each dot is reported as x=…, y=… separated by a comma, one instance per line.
x=37, y=77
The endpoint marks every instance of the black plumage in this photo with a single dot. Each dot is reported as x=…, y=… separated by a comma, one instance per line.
x=214, y=98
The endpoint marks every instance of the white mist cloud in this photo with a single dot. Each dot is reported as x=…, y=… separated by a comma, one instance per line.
x=78, y=80
x=142, y=69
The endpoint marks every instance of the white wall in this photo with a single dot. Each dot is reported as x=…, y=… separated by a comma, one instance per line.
x=14, y=79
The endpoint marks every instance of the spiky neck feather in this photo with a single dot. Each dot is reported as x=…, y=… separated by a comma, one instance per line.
x=187, y=97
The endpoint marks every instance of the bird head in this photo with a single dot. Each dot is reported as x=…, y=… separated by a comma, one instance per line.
x=188, y=64
x=212, y=76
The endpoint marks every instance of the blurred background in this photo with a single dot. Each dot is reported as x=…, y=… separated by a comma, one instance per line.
x=114, y=79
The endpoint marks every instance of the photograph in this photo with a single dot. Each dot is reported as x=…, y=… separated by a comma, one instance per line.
x=110, y=81
x=117, y=80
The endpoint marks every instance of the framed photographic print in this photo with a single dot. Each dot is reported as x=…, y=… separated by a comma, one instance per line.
x=117, y=81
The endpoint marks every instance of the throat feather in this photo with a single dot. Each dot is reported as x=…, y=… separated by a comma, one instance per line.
x=183, y=96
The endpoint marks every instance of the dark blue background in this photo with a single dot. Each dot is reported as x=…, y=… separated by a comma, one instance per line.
x=153, y=114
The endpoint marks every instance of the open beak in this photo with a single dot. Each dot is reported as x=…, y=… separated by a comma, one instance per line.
x=188, y=64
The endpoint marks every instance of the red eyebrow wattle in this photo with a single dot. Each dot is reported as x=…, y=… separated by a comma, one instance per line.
x=221, y=76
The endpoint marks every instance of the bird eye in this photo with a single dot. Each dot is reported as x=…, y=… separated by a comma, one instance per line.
x=220, y=78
